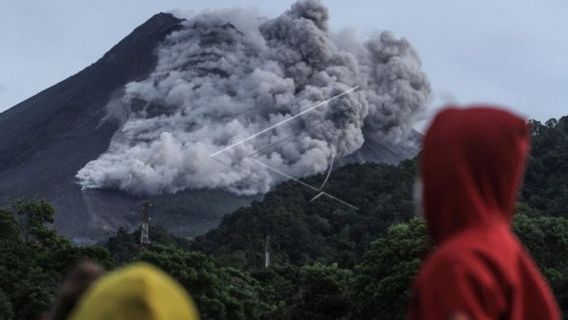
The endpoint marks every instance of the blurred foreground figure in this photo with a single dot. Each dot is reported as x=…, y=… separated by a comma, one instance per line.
x=139, y=291
x=472, y=165
x=73, y=287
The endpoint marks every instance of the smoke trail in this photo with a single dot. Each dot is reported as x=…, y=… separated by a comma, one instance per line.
x=227, y=75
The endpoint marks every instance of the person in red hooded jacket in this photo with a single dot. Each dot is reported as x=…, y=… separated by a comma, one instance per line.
x=472, y=165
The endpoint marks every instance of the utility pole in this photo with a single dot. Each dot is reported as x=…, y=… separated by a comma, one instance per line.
x=267, y=252
x=145, y=230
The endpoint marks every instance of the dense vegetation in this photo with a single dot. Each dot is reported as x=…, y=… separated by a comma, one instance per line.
x=303, y=232
x=33, y=259
x=328, y=261
x=546, y=181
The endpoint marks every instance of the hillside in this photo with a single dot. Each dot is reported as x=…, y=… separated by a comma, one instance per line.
x=546, y=181
x=47, y=139
x=365, y=260
x=304, y=232
x=328, y=262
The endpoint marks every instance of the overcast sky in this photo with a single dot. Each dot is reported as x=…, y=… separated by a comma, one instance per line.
x=509, y=52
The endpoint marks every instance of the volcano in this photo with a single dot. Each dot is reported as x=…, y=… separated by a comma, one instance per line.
x=46, y=139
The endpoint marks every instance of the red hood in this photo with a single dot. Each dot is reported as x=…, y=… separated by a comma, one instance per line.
x=472, y=164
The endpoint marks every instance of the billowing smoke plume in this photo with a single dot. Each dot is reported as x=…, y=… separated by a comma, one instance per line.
x=227, y=75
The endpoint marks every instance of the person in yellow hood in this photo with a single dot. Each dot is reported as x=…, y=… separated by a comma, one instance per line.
x=139, y=292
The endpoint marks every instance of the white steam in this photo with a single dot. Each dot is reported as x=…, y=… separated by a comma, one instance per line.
x=227, y=75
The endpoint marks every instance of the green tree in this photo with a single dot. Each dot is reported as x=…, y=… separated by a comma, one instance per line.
x=34, y=258
x=546, y=238
x=33, y=216
x=385, y=275
x=324, y=292
x=220, y=293
x=123, y=246
x=6, y=312
x=546, y=180
x=9, y=229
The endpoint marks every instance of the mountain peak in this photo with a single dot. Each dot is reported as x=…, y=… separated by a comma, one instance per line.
x=157, y=26
x=45, y=139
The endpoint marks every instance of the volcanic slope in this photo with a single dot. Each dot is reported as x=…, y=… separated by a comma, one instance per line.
x=46, y=139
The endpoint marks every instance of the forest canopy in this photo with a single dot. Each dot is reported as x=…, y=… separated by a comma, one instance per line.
x=327, y=261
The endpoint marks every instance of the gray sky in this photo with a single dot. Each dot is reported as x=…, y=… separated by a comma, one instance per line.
x=509, y=52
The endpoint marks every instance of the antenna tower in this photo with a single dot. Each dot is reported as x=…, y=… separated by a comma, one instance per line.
x=267, y=252
x=145, y=230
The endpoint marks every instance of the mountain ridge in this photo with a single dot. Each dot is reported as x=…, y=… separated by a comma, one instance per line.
x=47, y=138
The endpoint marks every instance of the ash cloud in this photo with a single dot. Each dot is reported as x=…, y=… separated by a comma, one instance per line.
x=227, y=75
